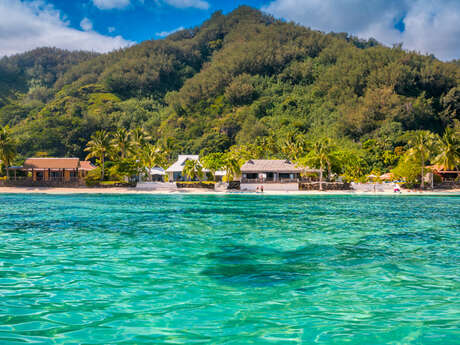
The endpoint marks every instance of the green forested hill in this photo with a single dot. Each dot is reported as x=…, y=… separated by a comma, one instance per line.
x=236, y=79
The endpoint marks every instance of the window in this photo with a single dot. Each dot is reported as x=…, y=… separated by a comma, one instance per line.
x=55, y=175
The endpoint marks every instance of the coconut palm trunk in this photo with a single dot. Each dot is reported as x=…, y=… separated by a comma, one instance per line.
x=7, y=148
x=321, y=176
x=99, y=146
x=103, y=167
x=422, y=183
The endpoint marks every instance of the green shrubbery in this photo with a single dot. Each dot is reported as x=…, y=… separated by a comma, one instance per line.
x=242, y=79
x=93, y=178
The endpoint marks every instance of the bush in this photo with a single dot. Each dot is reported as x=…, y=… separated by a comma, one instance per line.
x=409, y=170
x=115, y=184
x=241, y=90
x=93, y=178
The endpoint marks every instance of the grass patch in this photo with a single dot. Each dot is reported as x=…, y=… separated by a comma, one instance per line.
x=111, y=183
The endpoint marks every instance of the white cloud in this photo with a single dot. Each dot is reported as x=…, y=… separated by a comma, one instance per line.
x=167, y=33
x=111, y=29
x=431, y=27
x=28, y=25
x=200, y=4
x=86, y=24
x=111, y=4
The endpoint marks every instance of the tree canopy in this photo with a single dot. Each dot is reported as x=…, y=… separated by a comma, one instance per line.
x=242, y=79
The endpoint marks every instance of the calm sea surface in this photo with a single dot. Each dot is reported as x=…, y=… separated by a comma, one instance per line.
x=230, y=269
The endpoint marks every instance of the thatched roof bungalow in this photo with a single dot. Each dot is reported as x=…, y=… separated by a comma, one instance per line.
x=446, y=175
x=272, y=170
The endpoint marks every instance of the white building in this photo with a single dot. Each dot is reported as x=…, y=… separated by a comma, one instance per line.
x=175, y=171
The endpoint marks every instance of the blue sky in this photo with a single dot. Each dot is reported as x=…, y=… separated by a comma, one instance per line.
x=143, y=20
x=426, y=26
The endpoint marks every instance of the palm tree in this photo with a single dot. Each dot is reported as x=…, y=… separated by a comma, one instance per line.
x=449, y=146
x=193, y=169
x=352, y=163
x=139, y=138
x=421, y=147
x=153, y=156
x=7, y=148
x=99, y=146
x=122, y=143
x=231, y=166
x=294, y=146
x=321, y=156
x=213, y=162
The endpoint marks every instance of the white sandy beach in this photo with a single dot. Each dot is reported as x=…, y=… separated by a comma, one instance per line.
x=83, y=190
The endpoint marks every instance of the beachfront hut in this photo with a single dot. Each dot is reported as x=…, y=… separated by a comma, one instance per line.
x=387, y=177
x=85, y=167
x=175, y=171
x=446, y=176
x=156, y=174
x=58, y=170
x=372, y=177
x=219, y=175
x=272, y=171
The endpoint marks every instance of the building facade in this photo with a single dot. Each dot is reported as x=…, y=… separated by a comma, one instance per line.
x=272, y=171
x=175, y=171
x=272, y=174
x=51, y=171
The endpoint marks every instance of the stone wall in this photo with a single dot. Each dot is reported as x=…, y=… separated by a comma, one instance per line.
x=326, y=186
x=195, y=185
x=446, y=185
x=234, y=185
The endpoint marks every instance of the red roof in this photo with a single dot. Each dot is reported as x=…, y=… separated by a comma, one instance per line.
x=87, y=165
x=52, y=163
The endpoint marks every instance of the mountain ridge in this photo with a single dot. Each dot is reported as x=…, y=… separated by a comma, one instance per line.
x=237, y=77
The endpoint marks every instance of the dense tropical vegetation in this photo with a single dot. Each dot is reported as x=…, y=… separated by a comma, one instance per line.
x=243, y=84
x=127, y=153
x=7, y=149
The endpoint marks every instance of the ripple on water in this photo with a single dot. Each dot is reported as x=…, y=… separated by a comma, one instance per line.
x=234, y=269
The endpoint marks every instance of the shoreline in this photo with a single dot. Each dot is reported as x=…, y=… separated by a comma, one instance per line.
x=127, y=191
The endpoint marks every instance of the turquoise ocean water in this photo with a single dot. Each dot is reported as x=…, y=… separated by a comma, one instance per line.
x=230, y=269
